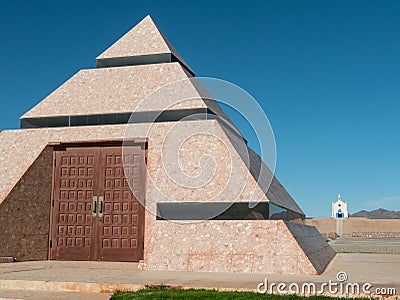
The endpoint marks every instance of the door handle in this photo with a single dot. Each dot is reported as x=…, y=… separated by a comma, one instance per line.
x=94, y=206
x=101, y=206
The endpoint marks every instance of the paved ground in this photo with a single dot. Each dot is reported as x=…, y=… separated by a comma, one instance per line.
x=366, y=245
x=45, y=295
x=53, y=279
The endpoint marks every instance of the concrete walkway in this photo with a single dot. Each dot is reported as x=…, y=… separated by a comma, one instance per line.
x=97, y=280
x=366, y=245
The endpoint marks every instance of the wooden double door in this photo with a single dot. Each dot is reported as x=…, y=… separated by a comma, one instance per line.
x=94, y=214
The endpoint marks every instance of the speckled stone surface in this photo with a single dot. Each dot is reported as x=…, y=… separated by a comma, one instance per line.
x=20, y=148
x=25, y=213
x=230, y=246
x=209, y=246
x=230, y=180
x=116, y=90
x=143, y=39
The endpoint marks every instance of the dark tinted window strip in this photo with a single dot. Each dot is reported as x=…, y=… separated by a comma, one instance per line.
x=122, y=118
x=191, y=211
x=140, y=60
x=133, y=60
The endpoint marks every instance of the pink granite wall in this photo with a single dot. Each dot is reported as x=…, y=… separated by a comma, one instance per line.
x=224, y=246
x=229, y=246
x=25, y=212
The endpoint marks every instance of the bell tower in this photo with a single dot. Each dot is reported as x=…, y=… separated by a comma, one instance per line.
x=339, y=209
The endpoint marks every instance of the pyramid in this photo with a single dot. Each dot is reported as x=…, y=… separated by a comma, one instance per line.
x=90, y=112
x=143, y=44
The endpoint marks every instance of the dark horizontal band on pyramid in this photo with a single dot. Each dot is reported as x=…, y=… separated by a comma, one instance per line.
x=192, y=211
x=125, y=118
x=140, y=60
x=118, y=118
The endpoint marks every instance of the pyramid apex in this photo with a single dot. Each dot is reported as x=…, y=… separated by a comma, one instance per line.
x=143, y=44
x=148, y=16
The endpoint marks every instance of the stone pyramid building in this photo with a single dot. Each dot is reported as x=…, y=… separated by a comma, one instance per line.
x=71, y=188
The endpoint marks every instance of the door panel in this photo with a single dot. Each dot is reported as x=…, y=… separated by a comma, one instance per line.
x=114, y=230
x=122, y=223
x=74, y=186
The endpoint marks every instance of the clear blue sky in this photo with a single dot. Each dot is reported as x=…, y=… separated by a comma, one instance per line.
x=327, y=73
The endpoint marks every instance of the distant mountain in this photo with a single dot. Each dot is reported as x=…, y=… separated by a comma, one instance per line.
x=377, y=214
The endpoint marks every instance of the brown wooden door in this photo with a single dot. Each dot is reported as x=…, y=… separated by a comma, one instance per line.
x=121, y=228
x=72, y=230
x=95, y=215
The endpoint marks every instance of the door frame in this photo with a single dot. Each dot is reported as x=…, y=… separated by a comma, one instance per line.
x=57, y=145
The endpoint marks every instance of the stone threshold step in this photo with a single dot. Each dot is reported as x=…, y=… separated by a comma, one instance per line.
x=60, y=286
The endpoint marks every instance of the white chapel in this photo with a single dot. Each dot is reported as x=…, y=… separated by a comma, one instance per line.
x=339, y=209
